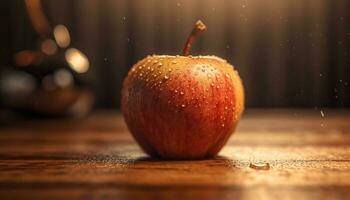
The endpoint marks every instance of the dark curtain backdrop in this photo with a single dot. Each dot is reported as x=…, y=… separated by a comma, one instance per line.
x=288, y=52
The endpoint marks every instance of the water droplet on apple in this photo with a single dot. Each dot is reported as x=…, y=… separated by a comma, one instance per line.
x=170, y=70
x=212, y=84
x=217, y=86
x=166, y=77
x=175, y=91
x=183, y=105
x=222, y=125
x=182, y=93
x=227, y=75
x=140, y=74
x=160, y=64
x=226, y=107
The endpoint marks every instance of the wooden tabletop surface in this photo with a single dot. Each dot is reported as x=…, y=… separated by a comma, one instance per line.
x=96, y=158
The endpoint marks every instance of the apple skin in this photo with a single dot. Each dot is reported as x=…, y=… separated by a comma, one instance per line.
x=182, y=107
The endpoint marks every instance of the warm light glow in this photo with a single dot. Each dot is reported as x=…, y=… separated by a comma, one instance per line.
x=25, y=58
x=37, y=17
x=49, y=47
x=62, y=36
x=63, y=78
x=77, y=60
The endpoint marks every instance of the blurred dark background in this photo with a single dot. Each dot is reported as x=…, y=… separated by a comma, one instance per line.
x=290, y=53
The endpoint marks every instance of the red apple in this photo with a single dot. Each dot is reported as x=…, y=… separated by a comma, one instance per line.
x=182, y=107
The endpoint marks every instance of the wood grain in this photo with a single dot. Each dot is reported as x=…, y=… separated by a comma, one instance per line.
x=96, y=158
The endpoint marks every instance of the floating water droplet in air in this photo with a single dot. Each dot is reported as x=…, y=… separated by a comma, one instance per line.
x=322, y=113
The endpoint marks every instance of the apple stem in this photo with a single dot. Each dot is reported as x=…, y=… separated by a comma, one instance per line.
x=198, y=28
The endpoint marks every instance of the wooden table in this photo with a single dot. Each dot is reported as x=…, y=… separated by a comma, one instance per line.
x=96, y=158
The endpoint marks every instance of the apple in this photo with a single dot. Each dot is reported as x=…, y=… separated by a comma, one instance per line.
x=182, y=107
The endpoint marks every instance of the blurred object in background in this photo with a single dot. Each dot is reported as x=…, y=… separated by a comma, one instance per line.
x=47, y=81
x=290, y=53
